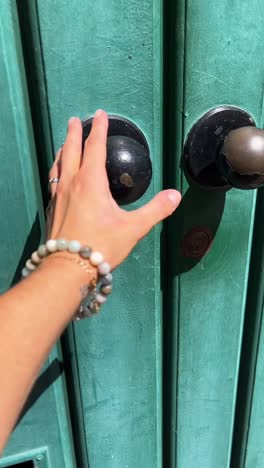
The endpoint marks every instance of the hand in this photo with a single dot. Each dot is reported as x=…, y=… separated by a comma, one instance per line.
x=82, y=206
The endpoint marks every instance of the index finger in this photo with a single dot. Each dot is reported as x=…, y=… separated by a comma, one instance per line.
x=94, y=154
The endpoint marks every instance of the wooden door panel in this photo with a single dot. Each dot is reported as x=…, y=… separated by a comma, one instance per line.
x=249, y=429
x=79, y=58
x=221, y=66
x=108, y=55
x=254, y=457
x=44, y=430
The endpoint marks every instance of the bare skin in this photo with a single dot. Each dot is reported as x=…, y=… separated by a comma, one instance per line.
x=35, y=312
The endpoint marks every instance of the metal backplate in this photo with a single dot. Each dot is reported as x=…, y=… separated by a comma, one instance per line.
x=118, y=126
x=205, y=141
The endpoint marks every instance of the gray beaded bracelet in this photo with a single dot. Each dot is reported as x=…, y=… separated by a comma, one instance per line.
x=96, y=294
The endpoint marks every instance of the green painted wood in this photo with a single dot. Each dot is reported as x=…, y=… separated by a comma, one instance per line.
x=34, y=68
x=113, y=362
x=110, y=56
x=47, y=423
x=39, y=458
x=251, y=379
x=173, y=78
x=254, y=457
x=222, y=47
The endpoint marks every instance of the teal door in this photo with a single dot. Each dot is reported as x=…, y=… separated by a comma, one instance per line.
x=214, y=344
x=171, y=373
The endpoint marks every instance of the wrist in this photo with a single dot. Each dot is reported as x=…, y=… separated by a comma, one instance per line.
x=78, y=264
x=80, y=269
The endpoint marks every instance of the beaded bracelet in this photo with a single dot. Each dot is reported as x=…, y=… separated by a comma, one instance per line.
x=96, y=292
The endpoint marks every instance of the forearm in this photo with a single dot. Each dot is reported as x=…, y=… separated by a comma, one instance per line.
x=32, y=317
x=34, y=313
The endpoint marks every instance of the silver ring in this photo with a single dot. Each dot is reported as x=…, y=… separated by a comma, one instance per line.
x=53, y=180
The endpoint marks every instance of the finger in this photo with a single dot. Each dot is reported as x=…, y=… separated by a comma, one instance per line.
x=72, y=151
x=94, y=156
x=55, y=173
x=159, y=208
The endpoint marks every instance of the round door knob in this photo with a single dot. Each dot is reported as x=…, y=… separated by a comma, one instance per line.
x=128, y=164
x=224, y=149
x=241, y=160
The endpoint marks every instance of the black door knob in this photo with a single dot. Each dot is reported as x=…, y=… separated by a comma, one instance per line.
x=128, y=162
x=224, y=149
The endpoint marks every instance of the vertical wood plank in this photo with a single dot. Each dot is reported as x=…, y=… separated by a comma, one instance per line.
x=173, y=89
x=109, y=55
x=220, y=43
x=254, y=451
x=46, y=424
x=251, y=453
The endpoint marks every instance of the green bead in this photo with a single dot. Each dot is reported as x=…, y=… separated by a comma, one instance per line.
x=74, y=246
x=25, y=272
x=42, y=251
x=62, y=244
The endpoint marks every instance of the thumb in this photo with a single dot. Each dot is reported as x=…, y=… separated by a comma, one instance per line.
x=159, y=208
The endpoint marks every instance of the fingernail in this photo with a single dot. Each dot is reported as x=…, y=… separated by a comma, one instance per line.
x=98, y=113
x=71, y=120
x=173, y=196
